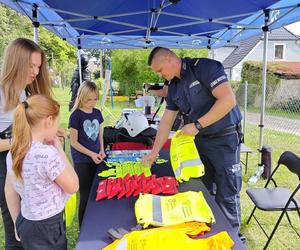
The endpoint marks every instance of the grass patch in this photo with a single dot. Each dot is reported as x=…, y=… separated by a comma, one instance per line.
x=285, y=238
x=276, y=112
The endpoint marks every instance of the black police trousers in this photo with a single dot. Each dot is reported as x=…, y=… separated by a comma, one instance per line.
x=221, y=159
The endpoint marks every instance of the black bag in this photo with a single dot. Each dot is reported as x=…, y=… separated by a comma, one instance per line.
x=266, y=160
x=112, y=135
x=7, y=133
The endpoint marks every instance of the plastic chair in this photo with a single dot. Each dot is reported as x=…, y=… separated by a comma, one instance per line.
x=277, y=198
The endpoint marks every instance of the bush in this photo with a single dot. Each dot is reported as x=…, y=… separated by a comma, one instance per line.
x=252, y=72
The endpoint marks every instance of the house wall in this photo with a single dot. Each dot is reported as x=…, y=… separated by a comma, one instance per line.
x=236, y=72
x=291, y=53
x=286, y=90
x=220, y=54
x=228, y=73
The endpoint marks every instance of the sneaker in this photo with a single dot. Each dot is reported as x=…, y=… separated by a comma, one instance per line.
x=242, y=238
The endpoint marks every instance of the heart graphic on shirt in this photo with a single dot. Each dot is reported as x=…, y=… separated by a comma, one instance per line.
x=91, y=128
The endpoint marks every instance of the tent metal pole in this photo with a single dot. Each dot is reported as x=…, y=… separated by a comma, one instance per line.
x=260, y=169
x=35, y=24
x=79, y=60
x=264, y=84
x=245, y=107
x=110, y=83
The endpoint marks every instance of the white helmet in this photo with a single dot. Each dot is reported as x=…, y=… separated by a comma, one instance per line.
x=134, y=123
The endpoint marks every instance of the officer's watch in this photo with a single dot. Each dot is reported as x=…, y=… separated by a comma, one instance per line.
x=198, y=125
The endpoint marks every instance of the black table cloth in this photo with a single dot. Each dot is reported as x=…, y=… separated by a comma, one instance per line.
x=102, y=215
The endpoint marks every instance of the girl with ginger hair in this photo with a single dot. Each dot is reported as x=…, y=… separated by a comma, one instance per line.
x=40, y=178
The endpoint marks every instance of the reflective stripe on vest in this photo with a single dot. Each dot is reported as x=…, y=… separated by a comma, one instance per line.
x=189, y=163
x=156, y=208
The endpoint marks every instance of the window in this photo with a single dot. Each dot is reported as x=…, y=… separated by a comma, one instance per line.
x=279, y=52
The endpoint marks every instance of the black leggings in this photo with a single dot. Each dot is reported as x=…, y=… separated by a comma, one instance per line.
x=86, y=174
x=10, y=241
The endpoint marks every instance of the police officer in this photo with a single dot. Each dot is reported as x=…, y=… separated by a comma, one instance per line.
x=162, y=91
x=75, y=82
x=200, y=89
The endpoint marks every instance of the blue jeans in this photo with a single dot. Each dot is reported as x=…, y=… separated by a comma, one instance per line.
x=10, y=241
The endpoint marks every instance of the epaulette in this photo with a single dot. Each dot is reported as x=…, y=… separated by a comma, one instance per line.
x=197, y=61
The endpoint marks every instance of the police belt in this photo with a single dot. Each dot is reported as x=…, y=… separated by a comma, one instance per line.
x=226, y=131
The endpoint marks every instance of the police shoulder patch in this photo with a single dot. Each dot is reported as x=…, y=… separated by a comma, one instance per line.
x=219, y=79
x=194, y=84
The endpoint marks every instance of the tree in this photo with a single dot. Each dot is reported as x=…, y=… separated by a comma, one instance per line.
x=61, y=56
x=130, y=69
x=13, y=25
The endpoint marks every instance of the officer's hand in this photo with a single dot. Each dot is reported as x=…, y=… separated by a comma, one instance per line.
x=189, y=129
x=149, y=159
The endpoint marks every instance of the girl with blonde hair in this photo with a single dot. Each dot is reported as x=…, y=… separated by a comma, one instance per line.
x=40, y=177
x=24, y=72
x=86, y=138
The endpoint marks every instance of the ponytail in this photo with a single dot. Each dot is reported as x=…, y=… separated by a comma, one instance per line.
x=27, y=115
x=22, y=133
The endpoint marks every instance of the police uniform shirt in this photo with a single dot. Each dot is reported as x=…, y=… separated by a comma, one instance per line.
x=192, y=93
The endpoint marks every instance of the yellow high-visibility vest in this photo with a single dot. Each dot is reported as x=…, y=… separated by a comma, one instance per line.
x=173, y=237
x=70, y=209
x=184, y=157
x=159, y=210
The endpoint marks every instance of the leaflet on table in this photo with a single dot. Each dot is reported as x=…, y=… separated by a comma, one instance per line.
x=132, y=154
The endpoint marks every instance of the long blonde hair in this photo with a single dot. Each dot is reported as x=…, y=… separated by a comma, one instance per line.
x=14, y=72
x=27, y=115
x=85, y=89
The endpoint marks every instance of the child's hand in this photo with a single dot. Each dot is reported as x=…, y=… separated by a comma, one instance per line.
x=96, y=157
x=16, y=235
x=102, y=154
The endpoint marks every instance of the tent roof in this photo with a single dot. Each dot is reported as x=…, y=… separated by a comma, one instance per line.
x=167, y=23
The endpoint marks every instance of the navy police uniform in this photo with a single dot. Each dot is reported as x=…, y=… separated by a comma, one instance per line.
x=219, y=143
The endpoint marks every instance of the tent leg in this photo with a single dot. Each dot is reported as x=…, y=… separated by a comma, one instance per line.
x=253, y=179
x=35, y=24
x=79, y=61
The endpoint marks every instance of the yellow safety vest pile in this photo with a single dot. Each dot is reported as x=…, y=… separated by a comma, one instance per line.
x=159, y=210
x=184, y=157
x=175, y=237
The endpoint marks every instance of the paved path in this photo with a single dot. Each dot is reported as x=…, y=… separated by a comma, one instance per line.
x=275, y=122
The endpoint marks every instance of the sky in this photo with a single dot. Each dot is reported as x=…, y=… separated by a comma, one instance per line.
x=294, y=28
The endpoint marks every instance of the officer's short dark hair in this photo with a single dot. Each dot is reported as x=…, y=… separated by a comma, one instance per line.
x=153, y=53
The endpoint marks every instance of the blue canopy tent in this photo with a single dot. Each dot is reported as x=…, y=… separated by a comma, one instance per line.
x=142, y=24
x=135, y=24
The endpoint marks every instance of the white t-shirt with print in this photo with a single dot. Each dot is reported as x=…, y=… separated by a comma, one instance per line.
x=41, y=197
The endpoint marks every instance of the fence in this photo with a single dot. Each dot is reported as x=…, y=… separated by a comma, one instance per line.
x=282, y=114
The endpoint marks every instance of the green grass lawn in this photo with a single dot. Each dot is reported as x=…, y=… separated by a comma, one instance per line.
x=285, y=238
x=276, y=112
